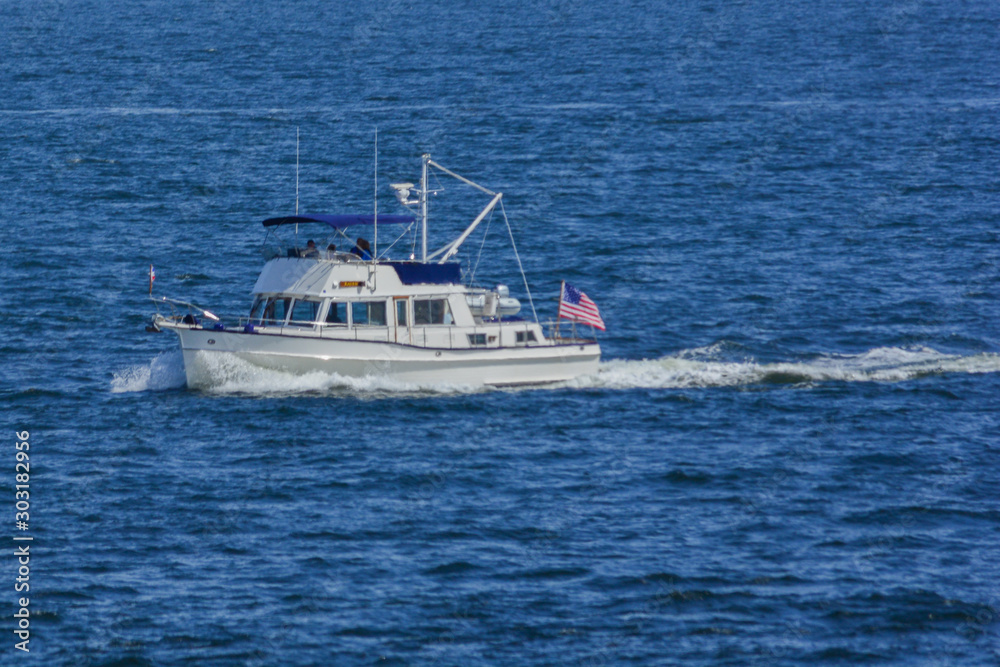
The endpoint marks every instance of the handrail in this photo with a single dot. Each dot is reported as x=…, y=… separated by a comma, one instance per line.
x=178, y=302
x=418, y=334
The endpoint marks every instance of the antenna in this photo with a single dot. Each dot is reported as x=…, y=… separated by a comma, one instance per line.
x=296, y=183
x=296, y=170
x=375, y=251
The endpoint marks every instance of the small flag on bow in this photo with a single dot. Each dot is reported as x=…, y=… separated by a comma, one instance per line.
x=577, y=306
x=152, y=277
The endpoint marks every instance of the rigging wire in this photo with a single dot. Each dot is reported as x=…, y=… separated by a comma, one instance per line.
x=404, y=233
x=479, y=257
x=519, y=265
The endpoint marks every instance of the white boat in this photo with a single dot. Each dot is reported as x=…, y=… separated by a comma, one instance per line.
x=411, y=320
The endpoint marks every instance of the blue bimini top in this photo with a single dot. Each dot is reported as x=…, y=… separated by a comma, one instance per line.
x=339, y=221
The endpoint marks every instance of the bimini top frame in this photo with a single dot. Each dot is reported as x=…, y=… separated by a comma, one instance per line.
x=339, y=221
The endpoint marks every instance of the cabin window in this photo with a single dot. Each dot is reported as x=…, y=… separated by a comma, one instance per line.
x=401, y=312
x=368, y=313
x=257, y=310
x=431, y=311
x=337, y=313
x=305, y=311
x=477, y=339
x=526, y=337
x=275, y=310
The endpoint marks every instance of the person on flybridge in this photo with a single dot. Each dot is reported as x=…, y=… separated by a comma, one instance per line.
x=362, y=249
x=311, y=250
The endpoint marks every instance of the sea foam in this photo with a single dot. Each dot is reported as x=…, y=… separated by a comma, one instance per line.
x=165, y=371
x=696, y=368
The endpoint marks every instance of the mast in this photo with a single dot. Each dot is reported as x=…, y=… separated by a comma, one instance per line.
x=426, y=159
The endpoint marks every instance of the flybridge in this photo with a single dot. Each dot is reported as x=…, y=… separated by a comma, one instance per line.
x=301, y=276
x=403, y=194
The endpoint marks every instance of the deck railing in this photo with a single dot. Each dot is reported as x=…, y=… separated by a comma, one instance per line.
x=458, y=337
x=557, y=330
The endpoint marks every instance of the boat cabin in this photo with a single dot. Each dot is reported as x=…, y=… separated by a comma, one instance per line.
x=387, y=301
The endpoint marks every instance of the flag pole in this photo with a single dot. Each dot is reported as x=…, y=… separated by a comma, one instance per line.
x=562, y=291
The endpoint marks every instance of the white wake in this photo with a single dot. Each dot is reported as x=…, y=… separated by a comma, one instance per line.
x=695, y=368
x=165, y=371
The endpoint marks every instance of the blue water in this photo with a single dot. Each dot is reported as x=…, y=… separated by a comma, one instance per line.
x=786, y=211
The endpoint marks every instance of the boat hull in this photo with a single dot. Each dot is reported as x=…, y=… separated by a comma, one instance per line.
x=507, y=366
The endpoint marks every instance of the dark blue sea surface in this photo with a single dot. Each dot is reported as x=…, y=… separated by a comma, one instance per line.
x=788, y=213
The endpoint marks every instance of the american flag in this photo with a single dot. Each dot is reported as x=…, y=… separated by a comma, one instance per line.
x=577, y=306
